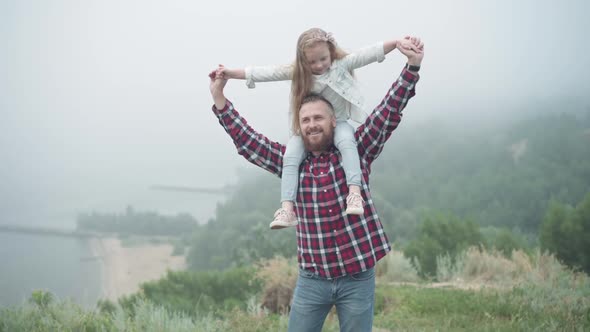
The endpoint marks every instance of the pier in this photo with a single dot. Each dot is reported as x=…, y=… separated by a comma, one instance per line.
x=46, y=231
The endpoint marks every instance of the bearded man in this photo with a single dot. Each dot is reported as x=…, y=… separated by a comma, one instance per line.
x=336, y=252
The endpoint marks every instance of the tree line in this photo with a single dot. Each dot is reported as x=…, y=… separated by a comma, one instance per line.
x=490, y=186
x=133, y=222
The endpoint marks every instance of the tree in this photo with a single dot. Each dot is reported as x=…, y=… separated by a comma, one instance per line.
x=442, y=235
x=565, y=231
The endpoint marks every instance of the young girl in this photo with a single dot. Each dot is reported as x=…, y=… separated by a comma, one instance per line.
x=320, y=67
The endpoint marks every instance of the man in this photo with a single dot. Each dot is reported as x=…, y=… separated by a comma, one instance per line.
x=336, y=252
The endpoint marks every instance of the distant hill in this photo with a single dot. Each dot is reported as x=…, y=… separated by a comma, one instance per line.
x=502, y=174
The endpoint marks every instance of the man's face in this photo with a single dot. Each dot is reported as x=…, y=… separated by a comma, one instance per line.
x=317, y=123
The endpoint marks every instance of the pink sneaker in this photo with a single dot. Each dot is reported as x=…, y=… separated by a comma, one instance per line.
x=283, y=218
x=354, y=204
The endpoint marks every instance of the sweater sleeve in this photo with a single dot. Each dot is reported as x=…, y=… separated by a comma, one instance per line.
x=267, y=74
x=364, y=56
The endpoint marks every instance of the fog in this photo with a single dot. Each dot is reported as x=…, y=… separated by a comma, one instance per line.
x=99, y=100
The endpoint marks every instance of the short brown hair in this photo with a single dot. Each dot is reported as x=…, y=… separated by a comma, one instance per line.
x=313, y=97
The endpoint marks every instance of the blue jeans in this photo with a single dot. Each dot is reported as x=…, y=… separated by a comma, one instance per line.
x=353, y=296
x=295, y=153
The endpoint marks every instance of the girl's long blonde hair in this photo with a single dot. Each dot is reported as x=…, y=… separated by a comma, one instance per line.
x=302, y=80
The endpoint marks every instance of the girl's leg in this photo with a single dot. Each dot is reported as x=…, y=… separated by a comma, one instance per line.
x=294, y=155
x=346, y=143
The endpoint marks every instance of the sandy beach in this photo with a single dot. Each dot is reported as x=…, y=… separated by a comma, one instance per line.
x=125, y=268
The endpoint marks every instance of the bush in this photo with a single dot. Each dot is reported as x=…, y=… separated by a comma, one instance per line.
x=505, y=240
x=279, y=276
x=41, y=298
x=395, y=267
x=43, y=312
x=553, y=287
x=493, y=268
x=565, y=231
x=442, y=235
x=195, y=293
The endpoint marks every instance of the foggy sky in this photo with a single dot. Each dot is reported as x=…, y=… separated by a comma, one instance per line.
x=101, y=99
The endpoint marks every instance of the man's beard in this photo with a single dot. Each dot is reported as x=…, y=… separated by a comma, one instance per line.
x=321, y=145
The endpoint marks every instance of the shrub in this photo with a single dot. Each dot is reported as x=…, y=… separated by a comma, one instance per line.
x=442, y=235
x=565, y=231
x=201, y=292
x=395, y=267
x=504, y=240
x=43, y=312
x=279, y=276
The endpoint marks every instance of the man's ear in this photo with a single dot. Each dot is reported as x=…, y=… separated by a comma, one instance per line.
x=333, y=121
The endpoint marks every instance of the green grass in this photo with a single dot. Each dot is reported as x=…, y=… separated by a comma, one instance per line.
x=415, y=308
x=524, y=293
x=397, y=308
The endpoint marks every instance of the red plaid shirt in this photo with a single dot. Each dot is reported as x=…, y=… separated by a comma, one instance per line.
x=329, y=242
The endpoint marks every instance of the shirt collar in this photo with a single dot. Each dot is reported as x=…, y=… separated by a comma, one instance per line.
x=327, y=153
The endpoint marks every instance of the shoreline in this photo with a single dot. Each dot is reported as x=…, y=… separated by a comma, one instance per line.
x=123, y=269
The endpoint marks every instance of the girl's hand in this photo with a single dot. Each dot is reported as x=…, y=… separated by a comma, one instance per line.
x=416, y=42
x=407, y=45
x=227, y=73
x=222, y=72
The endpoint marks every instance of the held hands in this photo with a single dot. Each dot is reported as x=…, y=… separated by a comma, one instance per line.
x=216, y=84
x=222, y=72
x=413, y=48
x=228, y=73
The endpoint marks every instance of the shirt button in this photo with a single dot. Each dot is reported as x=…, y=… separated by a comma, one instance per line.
x=329, y=210
x=325, y=190
x=321, y=172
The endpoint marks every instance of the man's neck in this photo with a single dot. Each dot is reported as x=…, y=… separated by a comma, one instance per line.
x=317, y=153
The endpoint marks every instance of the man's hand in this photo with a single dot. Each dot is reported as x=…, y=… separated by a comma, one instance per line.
x=413, y=48
x=216, y=85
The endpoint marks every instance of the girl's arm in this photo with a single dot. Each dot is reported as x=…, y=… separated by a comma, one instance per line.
x=389, y=46
x=255, y=74
x=377, y=52
x=366, y=55
x=227, y=73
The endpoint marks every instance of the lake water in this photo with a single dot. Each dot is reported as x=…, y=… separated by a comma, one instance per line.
x=60, y=264
x=56, y=264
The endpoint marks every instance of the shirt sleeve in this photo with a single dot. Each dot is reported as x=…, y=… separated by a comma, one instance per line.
x=364, y=56
x=267, y=74
x=376, y=130
x=255, y=147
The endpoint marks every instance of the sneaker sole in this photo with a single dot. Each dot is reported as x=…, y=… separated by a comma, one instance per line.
x=357, y=212
x=280, y=226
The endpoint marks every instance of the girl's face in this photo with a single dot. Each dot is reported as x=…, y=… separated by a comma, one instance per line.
x=318, y=57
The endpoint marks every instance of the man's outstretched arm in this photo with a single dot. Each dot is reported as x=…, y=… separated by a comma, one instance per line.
x=253, y=146
x=376, y=130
